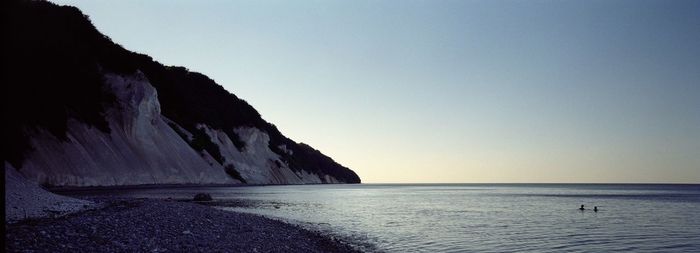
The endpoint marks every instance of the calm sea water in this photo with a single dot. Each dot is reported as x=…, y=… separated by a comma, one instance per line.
x=478, y=217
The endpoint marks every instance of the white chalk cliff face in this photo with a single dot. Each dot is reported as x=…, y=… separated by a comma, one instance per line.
x=257, y=163
x=142, y=148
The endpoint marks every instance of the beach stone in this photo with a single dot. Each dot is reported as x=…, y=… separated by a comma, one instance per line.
x=202, y=197
x=165, y=226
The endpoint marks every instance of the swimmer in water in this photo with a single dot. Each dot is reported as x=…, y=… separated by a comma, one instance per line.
x=595, y=209
x=581, y=208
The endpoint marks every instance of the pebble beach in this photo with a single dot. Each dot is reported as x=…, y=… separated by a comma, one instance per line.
x=147, y=225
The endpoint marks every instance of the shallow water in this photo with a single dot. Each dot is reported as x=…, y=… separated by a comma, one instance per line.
x=477, y=217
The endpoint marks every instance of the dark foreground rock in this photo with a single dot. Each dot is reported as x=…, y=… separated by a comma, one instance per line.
x=163, y=226
x=202, y=197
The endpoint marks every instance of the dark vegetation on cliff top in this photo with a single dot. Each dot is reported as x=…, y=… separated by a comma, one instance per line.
x=53, y=58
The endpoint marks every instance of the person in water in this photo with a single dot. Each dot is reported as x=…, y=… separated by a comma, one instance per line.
x=581, y=208
x=595, y=209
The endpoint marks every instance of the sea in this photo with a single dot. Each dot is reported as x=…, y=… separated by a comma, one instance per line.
x=475, y=217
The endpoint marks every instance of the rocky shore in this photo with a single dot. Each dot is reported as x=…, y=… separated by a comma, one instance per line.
x=147, y=225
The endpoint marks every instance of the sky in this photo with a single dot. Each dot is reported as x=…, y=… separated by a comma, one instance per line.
x=444, y=91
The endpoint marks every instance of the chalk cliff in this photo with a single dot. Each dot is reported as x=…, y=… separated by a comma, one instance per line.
x=83, y=111
x=140, y=147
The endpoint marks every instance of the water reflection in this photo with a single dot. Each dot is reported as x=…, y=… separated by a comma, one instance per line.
x=458, y=218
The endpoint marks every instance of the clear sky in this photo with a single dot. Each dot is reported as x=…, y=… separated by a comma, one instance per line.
x=450, y=91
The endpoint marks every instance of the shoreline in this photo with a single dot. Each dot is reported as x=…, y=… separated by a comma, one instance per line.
x=154, y=225
x=60, y=189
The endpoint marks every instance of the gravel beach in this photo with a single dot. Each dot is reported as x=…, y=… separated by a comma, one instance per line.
x=147, y=225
